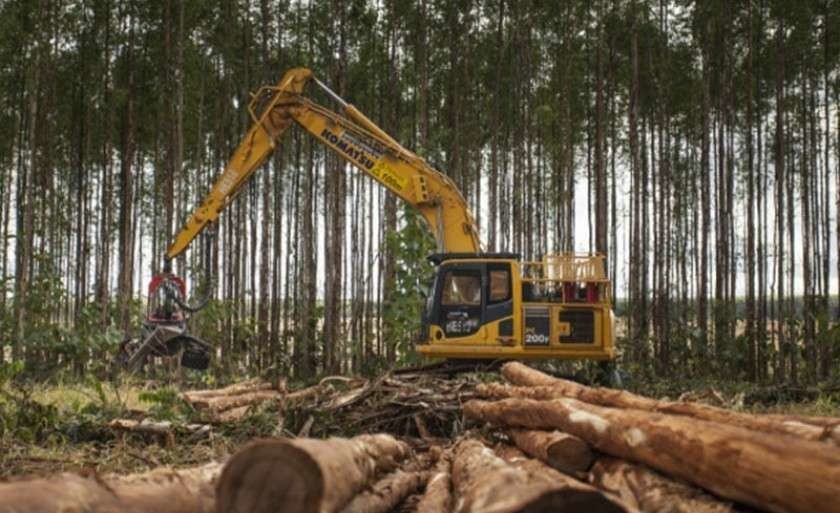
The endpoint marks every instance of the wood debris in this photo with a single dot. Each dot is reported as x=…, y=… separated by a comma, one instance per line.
x=553, y=445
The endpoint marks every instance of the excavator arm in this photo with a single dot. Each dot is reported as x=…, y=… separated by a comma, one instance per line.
x=357, y=140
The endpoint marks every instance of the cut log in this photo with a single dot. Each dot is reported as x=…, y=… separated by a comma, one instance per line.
x=218, y=404
x=251, y=385
x=562, y=451
x=791, y=426
x=652, y=492
x=520, y=374
x=389, y=491
x=539, y=470
x=485, y=483
x=437, y=498
x=304, y=475
x=145, y=426
x=778, y=474
x=161, y=491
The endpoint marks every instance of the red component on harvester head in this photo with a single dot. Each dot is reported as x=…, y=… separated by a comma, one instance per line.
x=161, y=306
x=159, y=279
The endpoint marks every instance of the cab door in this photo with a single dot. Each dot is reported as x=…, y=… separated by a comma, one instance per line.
x=460, y=299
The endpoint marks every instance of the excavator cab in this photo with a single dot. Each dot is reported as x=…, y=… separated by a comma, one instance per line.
x=493, y=305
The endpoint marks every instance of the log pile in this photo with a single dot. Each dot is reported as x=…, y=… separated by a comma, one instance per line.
x=552, y=446
x=668, y=456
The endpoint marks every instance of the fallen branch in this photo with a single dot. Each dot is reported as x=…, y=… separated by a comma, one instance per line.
x=772, y=473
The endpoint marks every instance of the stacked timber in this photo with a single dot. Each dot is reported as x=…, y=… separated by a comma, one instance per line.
x=662, y=456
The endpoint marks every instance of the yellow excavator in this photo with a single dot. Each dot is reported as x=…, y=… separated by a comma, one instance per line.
x=481, y=305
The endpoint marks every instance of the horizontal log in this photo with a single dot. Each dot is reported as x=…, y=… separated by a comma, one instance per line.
x=160, y=491
x=222, y=403
x=486, y=483
x=652, y=492
x=304, y=475
x=388, y=492
x=251, y=385
x=542, y=386
x=562, y=451
x=778, y=474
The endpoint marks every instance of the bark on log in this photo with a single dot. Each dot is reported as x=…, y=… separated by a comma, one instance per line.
x=218, y=404
x=437, y=498
x=387, y=492
x=161, y=491
x=652, y=492
x=536, y=386
x=486, y=483
x=539, y=470
x=774, y=473
x=251, y=385
x=562, y=451
x=304, y=475
x=146, y=426
x=520, y=374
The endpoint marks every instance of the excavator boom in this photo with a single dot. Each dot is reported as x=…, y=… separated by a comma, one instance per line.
x=357, y=140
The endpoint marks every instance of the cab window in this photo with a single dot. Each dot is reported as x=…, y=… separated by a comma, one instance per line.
x=461, y=288
x=499, y=285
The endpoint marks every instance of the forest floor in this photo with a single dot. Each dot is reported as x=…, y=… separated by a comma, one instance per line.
x=48, y=429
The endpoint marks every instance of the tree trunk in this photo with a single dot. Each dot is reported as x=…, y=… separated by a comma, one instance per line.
x=485, y=482
x=652, y=492
x=541, y=386
x=126, y=216
x=392, y=489
x=162, y=491
x=304, y=475
x=772, y=473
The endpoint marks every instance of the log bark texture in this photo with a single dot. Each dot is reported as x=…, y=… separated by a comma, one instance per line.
x=305, y=475
x=437, y=498
x=486, y=483
x=222, y=403
x=252, y=385
x=773, y=473
x=543, y=386
x=652, y=492
x=562, y=451
x=388, y=492
x=159, y=491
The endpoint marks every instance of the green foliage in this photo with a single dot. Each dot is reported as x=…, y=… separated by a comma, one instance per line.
x=409, y=245
x=166, y=404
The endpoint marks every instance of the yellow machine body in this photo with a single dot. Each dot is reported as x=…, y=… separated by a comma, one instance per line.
x=542, y=315
x=558, y=308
